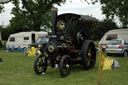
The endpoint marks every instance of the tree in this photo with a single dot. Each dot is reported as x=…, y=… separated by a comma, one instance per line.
x=31, y=14
x=101, y=27
x=112, y=8
x=1, y=7
x=3, y=2
x=4, y=31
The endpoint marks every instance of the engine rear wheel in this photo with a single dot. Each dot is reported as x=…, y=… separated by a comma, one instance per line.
x=65, y=65
x=40, y=64
x=88, y=55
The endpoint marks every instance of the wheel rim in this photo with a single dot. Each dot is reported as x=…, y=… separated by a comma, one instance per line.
x=125, y=54
x=40, y=64
x=66, y=67
x=91, y=56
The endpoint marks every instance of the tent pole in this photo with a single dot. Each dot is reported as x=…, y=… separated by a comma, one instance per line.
x=99, y=71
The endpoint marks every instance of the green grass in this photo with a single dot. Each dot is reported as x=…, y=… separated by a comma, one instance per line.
x=17, y=69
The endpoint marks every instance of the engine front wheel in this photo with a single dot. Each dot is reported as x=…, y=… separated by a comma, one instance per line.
x=65, y=65
x=88, y=54
x=40, y=64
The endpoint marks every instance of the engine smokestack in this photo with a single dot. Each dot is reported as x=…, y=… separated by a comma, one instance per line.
x=54, y=20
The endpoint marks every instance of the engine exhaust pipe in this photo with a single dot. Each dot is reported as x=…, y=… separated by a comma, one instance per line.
x=54, y=20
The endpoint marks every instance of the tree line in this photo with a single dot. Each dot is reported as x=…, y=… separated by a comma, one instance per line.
x=32, y=14
x=96, y=32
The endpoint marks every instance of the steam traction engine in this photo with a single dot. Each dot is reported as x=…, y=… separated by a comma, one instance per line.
x=68, y=44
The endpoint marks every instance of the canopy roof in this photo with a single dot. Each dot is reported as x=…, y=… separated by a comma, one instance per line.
x=70, y=16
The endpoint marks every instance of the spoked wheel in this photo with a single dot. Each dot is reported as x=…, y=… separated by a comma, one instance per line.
x=65, y=65
x=88, y=54
x=40, y=64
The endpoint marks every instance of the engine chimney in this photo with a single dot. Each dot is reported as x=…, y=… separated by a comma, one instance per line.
x=54, y=20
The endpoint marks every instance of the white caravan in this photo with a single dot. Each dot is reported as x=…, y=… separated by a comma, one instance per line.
x=21, y=40
x=113, y=34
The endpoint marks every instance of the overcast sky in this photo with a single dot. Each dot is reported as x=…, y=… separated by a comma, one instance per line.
x=74, y=6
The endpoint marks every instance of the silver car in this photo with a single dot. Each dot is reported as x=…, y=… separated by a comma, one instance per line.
x=117, y=47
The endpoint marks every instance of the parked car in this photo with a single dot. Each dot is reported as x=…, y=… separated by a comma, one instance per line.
x=112, y=35
x=40, y=43
x=117, y=47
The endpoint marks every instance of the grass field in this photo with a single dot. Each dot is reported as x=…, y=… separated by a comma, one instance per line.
x=17, y=69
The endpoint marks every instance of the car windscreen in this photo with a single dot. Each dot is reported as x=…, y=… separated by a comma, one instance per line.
x=115, y=42
x=42, y=40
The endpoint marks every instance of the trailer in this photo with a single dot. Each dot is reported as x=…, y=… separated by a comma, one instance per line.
x=20, y=41
x=113, y=34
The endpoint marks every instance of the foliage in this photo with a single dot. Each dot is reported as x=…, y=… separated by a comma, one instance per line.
x=3, y=2
x=31, y=14
x=1, y=7
x=114, y=9
x=4, y=31
x=118, y=8
x=101, y=27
